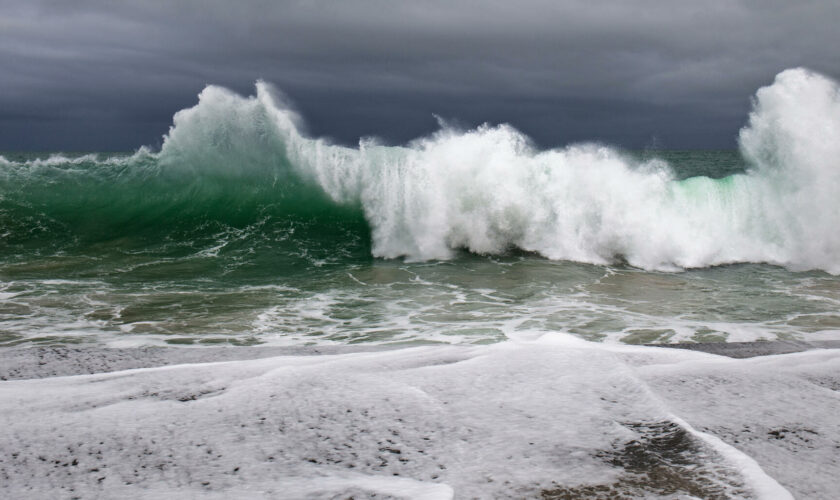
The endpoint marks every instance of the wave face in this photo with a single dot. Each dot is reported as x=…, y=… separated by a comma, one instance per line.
x=244, y=163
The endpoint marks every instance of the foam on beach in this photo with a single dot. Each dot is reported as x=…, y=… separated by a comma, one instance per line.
x=551, y=417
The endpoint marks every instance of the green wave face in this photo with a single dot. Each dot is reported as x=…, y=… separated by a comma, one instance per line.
x=116, y=210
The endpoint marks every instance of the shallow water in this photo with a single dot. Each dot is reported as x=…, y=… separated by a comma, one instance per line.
x=467, y=300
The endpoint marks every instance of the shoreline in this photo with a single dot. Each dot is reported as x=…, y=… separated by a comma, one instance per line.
x=35, y=362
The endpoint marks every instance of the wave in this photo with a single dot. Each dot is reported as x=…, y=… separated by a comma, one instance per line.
x=237, y=159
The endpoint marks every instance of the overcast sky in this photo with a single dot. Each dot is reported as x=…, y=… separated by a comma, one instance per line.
x=108, y=74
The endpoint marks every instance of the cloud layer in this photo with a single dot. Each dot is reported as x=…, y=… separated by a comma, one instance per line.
x=100, y=74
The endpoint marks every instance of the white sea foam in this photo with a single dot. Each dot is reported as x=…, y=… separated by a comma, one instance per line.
x=506, y=420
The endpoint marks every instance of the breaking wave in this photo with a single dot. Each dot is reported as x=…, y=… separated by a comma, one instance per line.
x=235, y=160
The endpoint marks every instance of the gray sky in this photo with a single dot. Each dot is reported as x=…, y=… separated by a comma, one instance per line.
x=109, y=74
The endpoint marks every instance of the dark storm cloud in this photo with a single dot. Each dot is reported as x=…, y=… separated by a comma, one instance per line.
x=109, y=75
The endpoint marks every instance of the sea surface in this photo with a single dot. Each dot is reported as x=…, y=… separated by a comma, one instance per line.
x=241, y=230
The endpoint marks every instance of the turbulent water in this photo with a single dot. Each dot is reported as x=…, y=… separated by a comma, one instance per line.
x=243, y=230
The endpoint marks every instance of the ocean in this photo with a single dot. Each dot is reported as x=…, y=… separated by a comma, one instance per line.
x=467, y=245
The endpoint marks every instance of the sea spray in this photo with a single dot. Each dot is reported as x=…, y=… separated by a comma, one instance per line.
x=793, y=143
